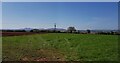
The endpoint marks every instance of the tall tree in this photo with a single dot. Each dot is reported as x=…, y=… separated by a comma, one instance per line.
x=88, y=31
x=71, y=29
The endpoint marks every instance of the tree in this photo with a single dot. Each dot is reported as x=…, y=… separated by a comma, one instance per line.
x=71, y=29
x=35, y=30
x=112, y=32
x=88, y=31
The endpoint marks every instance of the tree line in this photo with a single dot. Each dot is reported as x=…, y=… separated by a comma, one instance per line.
x=69, y=30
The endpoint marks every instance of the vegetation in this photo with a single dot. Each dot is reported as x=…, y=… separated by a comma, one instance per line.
x=71, y=29
x=60, y=47
x=88, y=31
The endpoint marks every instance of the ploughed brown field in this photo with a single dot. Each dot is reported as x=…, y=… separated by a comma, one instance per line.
x=18, y=33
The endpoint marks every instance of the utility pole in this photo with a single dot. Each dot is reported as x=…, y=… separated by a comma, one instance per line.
x=54, y=26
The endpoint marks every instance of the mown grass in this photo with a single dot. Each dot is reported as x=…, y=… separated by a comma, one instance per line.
x=60, y=47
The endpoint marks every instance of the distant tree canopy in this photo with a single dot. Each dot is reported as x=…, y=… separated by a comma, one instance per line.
x=71, y=29
x=35, y=30
x=13, y=31
x=88, y=31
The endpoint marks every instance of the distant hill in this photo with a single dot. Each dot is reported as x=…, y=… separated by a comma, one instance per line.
x=27, y=28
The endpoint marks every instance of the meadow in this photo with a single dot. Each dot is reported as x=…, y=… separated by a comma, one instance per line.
x=60, y=47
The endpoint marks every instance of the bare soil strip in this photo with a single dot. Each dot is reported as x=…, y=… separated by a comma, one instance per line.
x=18, y=33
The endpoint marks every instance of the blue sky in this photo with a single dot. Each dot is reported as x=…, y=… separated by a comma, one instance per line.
x=81, y=15
x=60, y=0
x=0, y=15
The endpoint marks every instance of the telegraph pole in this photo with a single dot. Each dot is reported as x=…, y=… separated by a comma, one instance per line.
x=54, y=26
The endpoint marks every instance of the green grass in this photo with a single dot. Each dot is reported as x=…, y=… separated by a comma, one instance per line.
x=61, y=47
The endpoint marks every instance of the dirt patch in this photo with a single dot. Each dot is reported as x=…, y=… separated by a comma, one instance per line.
x=25, y=59
x=41, y=59
x=44, y=55
x=35, y=58
x=4, y=34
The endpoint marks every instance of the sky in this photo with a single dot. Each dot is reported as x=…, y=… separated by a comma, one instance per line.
x=60, y=0
x=81, y=15
x=0, y=15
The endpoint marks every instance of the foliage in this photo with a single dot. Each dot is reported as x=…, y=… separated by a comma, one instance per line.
x=71, y=29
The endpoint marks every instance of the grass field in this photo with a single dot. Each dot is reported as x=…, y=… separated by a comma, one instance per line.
x=60, y=47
